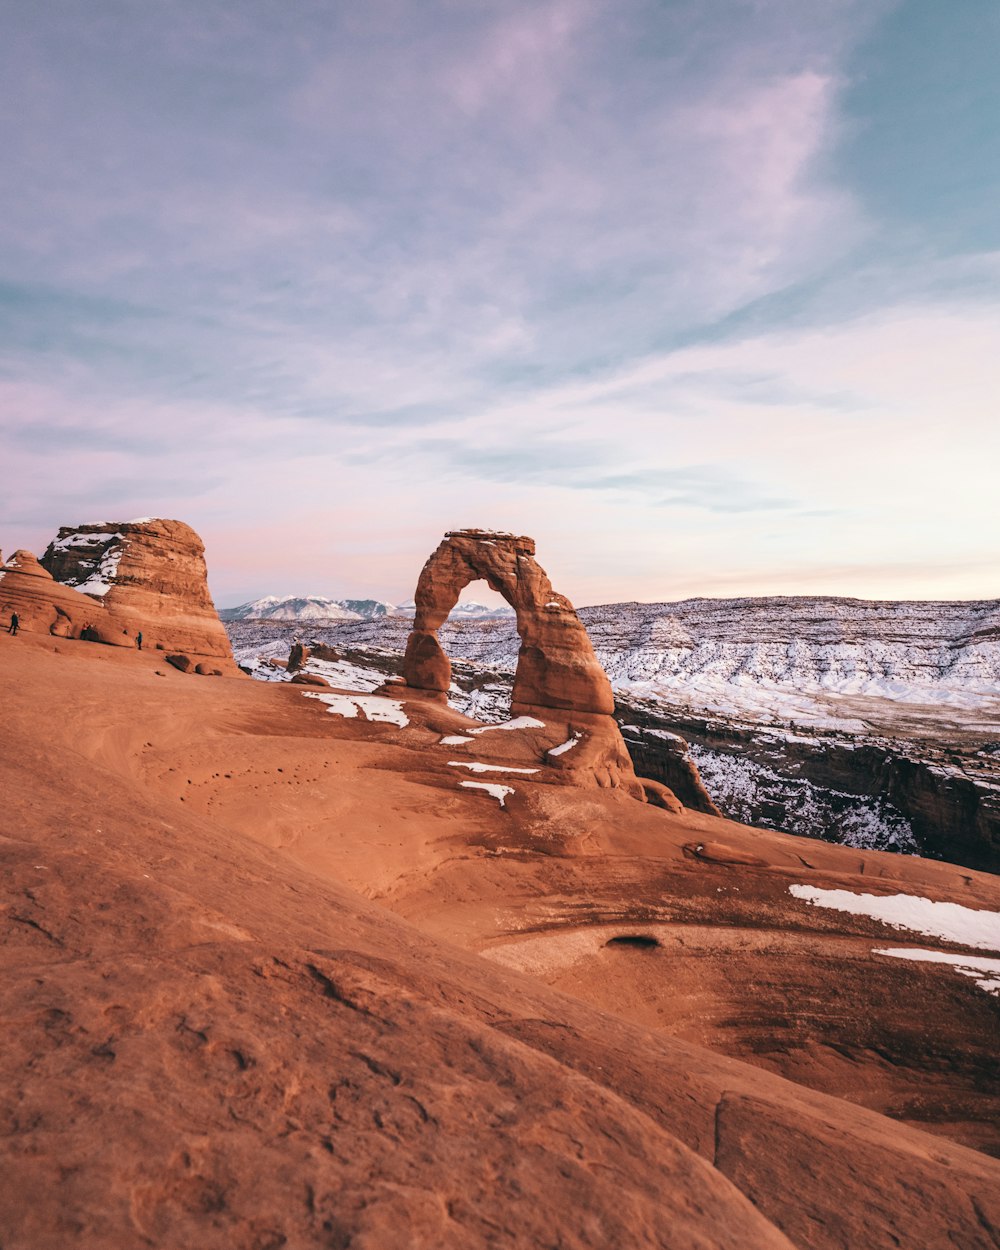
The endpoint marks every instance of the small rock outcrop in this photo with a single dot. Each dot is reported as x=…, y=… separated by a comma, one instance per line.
x=45, y=606
x=297, y=657
x=558, y=678
x=309, y=679
x=110, y=582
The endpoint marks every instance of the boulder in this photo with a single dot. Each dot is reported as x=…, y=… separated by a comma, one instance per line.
x=309, y=679
x=660, y=795
x=181, y=662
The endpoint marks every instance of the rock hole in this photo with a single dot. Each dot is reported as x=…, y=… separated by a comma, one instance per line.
x=638, y=941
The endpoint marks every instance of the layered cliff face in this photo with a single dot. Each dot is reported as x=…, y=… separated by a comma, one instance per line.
x=110, y=582
x=802, y=658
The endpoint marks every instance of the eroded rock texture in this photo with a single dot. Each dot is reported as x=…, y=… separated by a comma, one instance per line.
x=110, y=582
x=41, y=603
x=558, y=677
x=556, y=665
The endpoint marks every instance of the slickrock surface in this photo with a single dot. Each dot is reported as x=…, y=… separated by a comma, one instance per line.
x=556, y=666
x=277, y=977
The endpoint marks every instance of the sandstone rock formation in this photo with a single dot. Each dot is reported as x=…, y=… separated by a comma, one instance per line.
x=663, y=757
x=108, y=583
x=150, y=574
x=309, y=679
x=45, y=606
x=297, y=657
x=557, y=671
x=556, y=666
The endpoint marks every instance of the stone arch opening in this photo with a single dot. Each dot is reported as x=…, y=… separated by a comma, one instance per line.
x=556, y=665
x=477, y=687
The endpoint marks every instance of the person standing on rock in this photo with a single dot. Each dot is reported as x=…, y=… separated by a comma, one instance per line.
x=138, y=640
x=15, y=623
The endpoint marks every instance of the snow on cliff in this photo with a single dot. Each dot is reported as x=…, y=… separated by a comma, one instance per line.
x=804, y=658
x=910, y=651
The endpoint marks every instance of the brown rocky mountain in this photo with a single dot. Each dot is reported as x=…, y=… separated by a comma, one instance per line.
x=307, y=967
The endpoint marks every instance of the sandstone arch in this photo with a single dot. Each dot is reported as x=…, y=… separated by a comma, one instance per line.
x=556, y=665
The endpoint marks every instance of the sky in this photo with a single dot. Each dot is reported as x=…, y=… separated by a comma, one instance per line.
x=704, y=295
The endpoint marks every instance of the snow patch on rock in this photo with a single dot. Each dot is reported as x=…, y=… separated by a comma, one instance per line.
x=965, y=926
x=476, y=767
x=519, y=722
x=563, y=747
x=497, y=791
x=986, y=971
x=375, y=708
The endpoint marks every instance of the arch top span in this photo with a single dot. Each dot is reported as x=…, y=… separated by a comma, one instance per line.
x=556, y=664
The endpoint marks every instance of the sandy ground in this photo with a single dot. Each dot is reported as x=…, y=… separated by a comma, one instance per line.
x=276, y=979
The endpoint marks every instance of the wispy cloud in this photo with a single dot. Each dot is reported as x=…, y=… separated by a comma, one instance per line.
x=583, y=268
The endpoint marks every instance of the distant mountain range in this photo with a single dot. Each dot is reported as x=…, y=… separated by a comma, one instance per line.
x=315, y=609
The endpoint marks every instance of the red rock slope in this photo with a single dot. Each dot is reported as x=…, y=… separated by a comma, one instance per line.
x=218, y=1041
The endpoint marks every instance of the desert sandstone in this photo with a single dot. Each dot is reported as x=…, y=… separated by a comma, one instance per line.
x=296, y=967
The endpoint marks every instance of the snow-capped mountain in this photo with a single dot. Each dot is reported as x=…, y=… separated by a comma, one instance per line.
x=472, y=612
x=369, y=609
x=291, y=608
x=316, y=609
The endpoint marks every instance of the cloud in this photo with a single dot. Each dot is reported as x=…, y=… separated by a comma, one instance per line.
x=587, y=270
x=594, y=466
x=509, y=186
